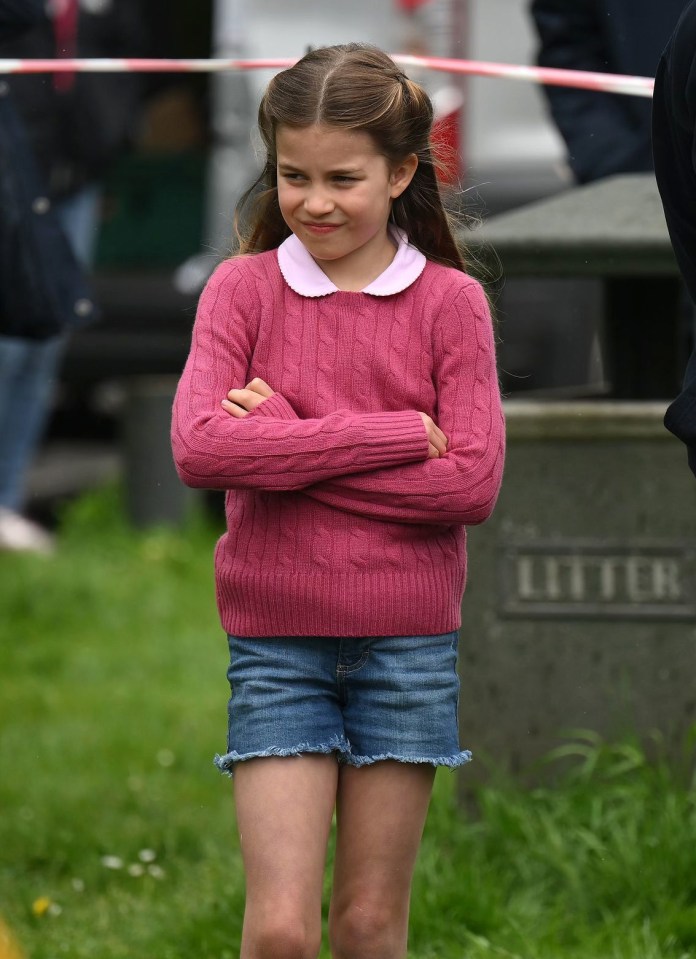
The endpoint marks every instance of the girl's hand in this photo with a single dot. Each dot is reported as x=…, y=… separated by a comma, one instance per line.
x=241, y=402
x=437, y=441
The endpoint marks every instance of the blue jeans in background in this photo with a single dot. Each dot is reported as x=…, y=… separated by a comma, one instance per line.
x=28, y=368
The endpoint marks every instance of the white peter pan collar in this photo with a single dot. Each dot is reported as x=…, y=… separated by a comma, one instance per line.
x=303, y=275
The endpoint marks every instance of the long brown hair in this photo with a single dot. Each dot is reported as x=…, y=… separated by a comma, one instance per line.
x=356, y=87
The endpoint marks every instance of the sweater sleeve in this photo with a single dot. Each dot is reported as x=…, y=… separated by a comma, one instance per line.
x=461, y=486
x=214, y=450
x=674, y=148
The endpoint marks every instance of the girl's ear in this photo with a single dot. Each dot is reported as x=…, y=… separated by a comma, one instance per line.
x=401, y=175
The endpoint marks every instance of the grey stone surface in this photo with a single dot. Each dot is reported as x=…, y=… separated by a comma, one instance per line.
x=65, y=468
x=580, y=609
x=613, y=227
x=154, y=493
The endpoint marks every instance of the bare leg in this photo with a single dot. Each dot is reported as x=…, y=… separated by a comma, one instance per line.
x=381, y=813
x=284, y=811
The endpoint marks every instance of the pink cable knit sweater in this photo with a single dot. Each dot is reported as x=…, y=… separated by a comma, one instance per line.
x=338, y=524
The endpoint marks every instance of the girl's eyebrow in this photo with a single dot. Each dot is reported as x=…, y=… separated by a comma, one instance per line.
x=345, y=171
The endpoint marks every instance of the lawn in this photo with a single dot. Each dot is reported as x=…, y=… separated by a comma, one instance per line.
x=117, y=835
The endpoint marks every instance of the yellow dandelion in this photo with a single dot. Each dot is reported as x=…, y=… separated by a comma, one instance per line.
x=41, y=906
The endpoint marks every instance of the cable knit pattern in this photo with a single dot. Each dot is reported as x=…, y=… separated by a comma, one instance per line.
x=338, y=523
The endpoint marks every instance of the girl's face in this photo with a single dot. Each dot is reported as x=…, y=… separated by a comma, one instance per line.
x=335, y=192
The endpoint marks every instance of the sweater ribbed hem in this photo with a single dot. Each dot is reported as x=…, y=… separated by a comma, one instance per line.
x=418, y=603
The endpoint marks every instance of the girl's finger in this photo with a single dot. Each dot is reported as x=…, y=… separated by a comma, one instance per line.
x=234, y=409
x=438, y=439
x=258, y=386
x=245, y=398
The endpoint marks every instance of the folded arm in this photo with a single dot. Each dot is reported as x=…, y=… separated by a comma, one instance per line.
x=462, y=485
x=214, y=450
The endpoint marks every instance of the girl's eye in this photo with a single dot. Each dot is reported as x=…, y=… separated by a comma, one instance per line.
x=294, y=177
x=345, y=179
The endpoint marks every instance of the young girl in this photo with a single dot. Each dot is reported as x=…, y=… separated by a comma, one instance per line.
x=342, y=388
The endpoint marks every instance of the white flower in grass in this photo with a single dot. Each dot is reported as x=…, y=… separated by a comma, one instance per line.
x=165, y=757
x=136, y=869
x=147, y=855
x=112, y=862
x=155, y=871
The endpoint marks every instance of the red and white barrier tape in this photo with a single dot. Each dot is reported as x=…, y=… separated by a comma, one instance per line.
x=580, y=79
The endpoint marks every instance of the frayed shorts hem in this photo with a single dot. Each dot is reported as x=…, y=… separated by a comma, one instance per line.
x=340, y=746
x=335, y=745
x=452, y=762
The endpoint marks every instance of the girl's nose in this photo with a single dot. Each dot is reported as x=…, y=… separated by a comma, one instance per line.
x=318, y=202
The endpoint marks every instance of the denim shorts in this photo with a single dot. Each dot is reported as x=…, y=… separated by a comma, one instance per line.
x=366, y=699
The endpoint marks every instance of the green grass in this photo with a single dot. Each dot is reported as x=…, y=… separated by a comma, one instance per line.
x=112, y=703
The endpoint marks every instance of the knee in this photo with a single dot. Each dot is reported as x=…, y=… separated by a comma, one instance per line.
x=283, y=938
x=368, y=931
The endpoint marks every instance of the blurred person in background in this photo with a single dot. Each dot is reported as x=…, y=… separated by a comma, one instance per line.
x=77, y=124
x=604, y=133
x=17, y=16
x=674, y=139
x=607, y=134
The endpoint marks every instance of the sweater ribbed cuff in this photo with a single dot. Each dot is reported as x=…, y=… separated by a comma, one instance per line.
x=276, y=406
x=392, y=438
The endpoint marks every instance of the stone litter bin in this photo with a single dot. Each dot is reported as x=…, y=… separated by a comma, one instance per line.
x=580, y=611
x=154, y=493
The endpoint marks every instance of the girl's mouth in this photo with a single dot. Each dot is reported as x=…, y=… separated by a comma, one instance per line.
x=321, y=228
